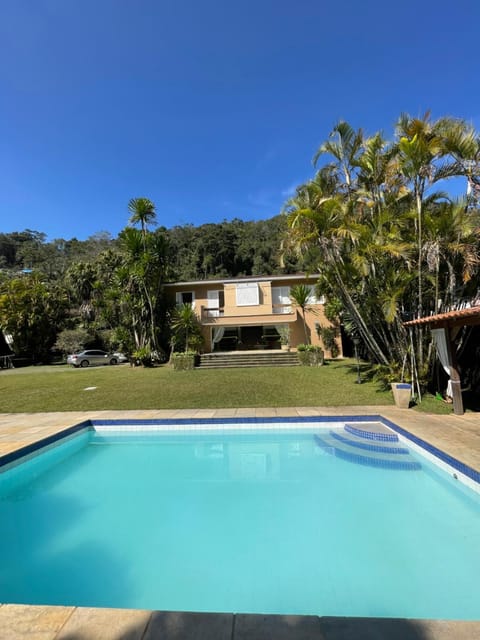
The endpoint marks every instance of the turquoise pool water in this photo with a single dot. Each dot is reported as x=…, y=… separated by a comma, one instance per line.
x=246, y=522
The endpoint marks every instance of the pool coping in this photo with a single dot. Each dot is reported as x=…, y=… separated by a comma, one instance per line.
x=83, y=623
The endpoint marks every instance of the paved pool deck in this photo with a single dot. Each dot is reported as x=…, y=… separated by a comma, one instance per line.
x=458, y=436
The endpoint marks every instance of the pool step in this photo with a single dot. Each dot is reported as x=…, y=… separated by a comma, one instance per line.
x=368, y=445
x=359, y=445
x=371, y=431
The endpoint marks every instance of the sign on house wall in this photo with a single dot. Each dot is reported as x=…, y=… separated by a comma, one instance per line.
x=247, y=294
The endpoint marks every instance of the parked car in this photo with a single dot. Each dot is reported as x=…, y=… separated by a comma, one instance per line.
x=121, y=357
x=92, y=356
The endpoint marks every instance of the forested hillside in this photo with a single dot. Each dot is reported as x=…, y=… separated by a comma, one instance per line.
x=63, y=294
x=226, y=249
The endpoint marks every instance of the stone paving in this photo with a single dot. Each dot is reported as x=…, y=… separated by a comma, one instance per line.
x=19, y=622
x=458, y=436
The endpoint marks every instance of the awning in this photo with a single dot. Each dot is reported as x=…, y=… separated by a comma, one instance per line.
x=444, y=323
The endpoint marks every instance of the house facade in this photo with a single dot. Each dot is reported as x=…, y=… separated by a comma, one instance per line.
x=251, y=313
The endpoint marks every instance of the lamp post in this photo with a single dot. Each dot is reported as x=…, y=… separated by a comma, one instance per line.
x=356, y=342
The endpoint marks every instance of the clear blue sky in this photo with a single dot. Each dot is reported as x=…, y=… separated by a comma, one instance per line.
x=211, y=108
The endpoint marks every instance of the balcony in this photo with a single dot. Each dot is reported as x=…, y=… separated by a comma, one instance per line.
x=225, y=316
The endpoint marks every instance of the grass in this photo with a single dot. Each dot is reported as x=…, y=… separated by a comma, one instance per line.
x=62, y=388
x=430, y=404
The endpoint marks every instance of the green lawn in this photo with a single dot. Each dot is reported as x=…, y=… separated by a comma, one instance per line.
x=62, y=388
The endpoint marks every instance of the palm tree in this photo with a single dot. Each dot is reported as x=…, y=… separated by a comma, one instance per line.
x=385, y=244
x=332, y=224
x=300, y=295
x=344, y=145
x=142, y=210
x=422, y=145
x=185, y=323
x=81, y=278
x=141, y=277
x=452, y=250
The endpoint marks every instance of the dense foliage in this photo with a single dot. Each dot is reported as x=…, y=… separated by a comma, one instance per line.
x=390, y=245
x=109, y=292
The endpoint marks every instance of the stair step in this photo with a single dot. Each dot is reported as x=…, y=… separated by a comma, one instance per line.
x=366, y=445
x=371, y=431
x=371, y=459
x=243, y=360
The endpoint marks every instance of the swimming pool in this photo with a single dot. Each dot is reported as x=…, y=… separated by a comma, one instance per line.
x=301, y=517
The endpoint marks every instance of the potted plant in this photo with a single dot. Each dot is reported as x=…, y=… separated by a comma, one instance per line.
x=284, y=333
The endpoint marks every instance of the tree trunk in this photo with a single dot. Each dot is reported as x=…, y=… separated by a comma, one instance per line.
x=418, y=197
x=366, y=334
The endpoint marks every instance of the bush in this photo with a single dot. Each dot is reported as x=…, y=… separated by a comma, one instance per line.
x=310, y=355
x=72, y=340
x=328, y=335
x=142, y=356
x=184, y=361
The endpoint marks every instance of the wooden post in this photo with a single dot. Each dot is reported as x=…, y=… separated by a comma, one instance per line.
x=454, y=375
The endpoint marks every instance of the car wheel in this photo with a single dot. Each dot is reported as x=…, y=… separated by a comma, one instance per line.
x=113, y=361
x=84, y=363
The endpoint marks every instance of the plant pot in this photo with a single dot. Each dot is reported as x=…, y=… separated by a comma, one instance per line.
x=285, y=347
x=402, y=394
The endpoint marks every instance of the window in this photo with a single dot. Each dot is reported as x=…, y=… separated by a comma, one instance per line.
x=313, y=299
x=215, y=303
x=281, y=300
x=185, y=297
x=247, y=294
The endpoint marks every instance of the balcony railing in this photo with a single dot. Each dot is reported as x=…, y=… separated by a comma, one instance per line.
x=282, y=308
x=230, y=315
x=212, y=312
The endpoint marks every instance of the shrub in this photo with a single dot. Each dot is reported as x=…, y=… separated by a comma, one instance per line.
x=72, y=340
x=310, y=355
x=328, y=335
x=184, y=361
x=143, y=356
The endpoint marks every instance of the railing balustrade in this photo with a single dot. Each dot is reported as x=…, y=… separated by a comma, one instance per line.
x=282, y=308
x=212, y=312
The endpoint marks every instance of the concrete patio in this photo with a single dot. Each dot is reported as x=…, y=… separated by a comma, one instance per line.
x=459, y=436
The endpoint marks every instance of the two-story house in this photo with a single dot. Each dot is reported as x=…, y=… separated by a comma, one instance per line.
x=248, y=313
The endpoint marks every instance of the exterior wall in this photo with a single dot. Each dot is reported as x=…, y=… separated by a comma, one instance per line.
x=263, y=308
x=256, y=315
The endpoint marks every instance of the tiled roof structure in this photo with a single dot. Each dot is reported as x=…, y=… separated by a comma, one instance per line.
x=470, y=316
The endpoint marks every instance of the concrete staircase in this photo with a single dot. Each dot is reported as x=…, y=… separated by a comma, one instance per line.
x=244, y=359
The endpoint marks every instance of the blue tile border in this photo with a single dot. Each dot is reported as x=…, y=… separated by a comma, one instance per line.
x=238, y=420
x=13, y=456
x=438, y=453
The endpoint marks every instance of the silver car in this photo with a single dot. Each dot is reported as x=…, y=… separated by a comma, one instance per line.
x=91, y=356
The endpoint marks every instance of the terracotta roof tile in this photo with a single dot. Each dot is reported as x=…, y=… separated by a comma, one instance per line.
x=447, y=318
